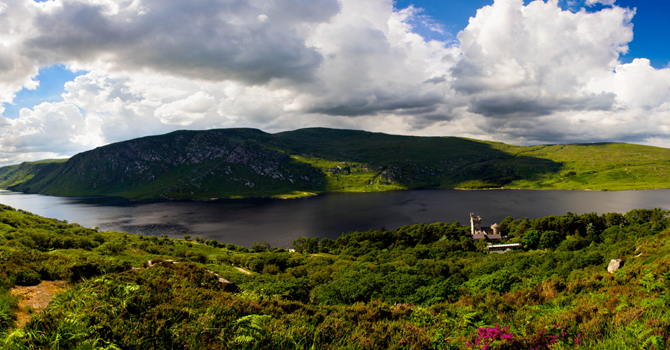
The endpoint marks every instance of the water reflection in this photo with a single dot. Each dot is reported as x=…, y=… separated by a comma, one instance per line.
x=279, y=222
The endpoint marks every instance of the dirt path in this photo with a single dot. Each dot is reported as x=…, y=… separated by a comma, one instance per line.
x=36, y=298
x=243, y=271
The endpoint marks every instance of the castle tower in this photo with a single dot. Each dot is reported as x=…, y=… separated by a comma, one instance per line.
x=475, y=223
x=496, y=229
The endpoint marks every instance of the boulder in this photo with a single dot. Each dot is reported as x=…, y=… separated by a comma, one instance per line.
x=614, y=265
x=157, y=261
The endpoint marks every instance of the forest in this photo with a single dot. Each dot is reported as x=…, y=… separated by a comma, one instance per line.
x=426, y=286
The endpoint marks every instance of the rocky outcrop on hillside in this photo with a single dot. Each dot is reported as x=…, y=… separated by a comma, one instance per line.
x=177, y=165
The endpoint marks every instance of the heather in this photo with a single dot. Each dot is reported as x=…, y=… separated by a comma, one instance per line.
x=425, y=286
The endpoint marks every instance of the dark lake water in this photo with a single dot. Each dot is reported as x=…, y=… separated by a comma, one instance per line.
x=279, y=222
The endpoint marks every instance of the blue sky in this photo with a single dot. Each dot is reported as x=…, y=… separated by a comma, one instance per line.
x=52, y=80
x=652, y=31
x=521, y=72
x=651, y=24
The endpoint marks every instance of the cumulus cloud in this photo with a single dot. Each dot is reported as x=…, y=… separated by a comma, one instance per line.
x=185, y=111
x=16, y=68
x=52, y=129
x=537, y=73
x=603, y=2
x=517, y=73
x=375, y=63
x=636, y=85
x=249, y=41
x=537, y=59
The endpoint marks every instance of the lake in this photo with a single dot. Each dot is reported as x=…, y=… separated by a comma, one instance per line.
x=281, y=221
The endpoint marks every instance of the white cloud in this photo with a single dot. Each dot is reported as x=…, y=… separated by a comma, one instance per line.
x=208, y=39
x=537, y=73
x=636, y=84
x=603, y=2
x=16, y=68
x=56, y=129
x=538, y=49
x=186, y=111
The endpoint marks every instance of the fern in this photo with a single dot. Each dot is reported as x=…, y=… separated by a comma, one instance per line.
x=251, y=329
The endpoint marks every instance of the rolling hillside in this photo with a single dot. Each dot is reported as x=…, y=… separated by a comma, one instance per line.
x=15, y=174
x=227, y=163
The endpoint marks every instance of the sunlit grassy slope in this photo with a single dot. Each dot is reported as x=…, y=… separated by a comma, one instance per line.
x=603, y=166
x=15, y=174
x=230, y=163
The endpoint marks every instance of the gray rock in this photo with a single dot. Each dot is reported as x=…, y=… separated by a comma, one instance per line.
x=614, y=265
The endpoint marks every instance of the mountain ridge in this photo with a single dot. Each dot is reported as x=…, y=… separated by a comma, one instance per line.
x=230, y=163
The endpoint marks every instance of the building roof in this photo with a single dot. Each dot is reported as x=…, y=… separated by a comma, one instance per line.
x=486, y=236
x=495, y=225
x=510, y=245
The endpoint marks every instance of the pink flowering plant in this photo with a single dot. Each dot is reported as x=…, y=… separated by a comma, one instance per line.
x=501, y=338
x=496, y=337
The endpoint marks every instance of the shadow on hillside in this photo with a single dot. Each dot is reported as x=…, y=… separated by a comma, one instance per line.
x=420, y=162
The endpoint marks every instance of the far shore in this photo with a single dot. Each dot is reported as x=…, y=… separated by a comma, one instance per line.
x=305, y=194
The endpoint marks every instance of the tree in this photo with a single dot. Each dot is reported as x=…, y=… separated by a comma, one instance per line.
x=326, y=245
x=306, y=245
x=550, y=239
x=530, y=240
x=592, y=233
x=614, y=219
x=505, y=225
x=521, y=227
x=259, y=247
x=467, y=244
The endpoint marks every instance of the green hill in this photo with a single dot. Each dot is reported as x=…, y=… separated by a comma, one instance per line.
x=416, y=287
x=15, y=174
x=227, y=163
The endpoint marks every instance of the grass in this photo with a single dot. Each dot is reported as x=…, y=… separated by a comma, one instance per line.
x=16, y=174
x=608, y=166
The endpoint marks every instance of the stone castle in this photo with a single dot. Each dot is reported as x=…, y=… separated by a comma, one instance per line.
x=488, y=233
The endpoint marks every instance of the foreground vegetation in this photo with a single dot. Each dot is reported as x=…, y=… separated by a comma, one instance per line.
x=417, y=287
x=230, y=163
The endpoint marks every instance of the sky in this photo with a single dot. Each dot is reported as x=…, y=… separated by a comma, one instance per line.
x=79, y=74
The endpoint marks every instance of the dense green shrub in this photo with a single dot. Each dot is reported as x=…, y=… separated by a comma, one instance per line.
x=112, y=247
x=531, y=240
x=26, y=277
x=196, y=257
x=550, y=239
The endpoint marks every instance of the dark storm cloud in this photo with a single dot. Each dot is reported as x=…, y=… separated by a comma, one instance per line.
x=382, y=101
x=436, y=80
x=467, y=77
x=555, y=130
x=202, y=39
x=510, y=104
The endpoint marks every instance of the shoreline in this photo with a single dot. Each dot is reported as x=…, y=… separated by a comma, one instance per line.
x=314, y=194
